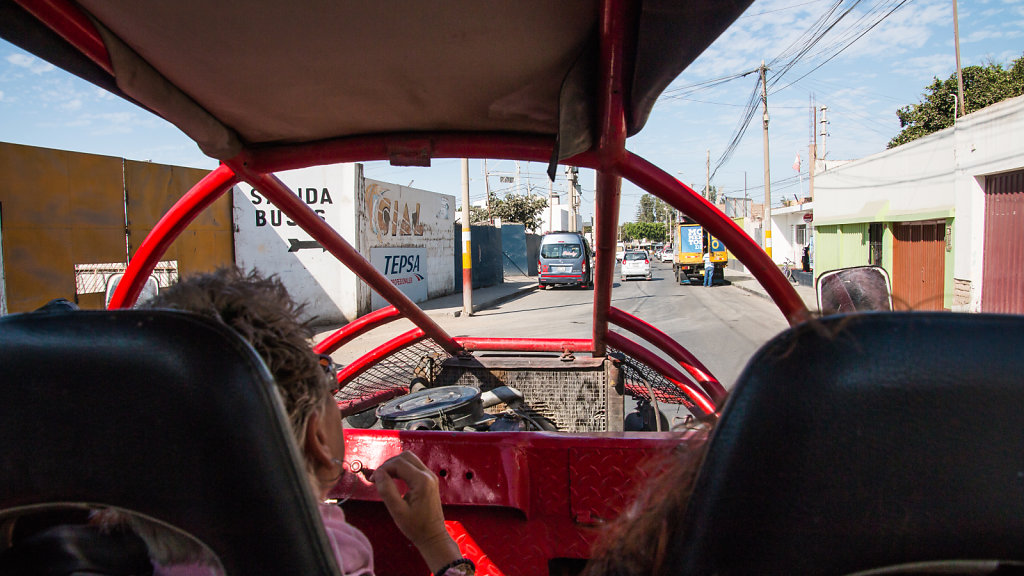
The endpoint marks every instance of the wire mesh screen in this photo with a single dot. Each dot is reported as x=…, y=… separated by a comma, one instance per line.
x=397, y=370
x=574, y=400
x=640, y=380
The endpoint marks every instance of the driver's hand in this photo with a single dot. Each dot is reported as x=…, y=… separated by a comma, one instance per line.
x=417, y=513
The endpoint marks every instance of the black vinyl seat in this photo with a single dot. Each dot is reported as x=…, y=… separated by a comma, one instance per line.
x=866, y=442
x=162, y=413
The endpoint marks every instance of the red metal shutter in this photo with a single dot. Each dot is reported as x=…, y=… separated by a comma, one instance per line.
x=919, y=264
x=1003, y=267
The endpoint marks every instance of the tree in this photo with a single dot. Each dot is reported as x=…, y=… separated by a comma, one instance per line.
x=513, y=208
x=652, y=209
x=519, y=208
x=652, y=231
x=983, y=86
x=712, y=194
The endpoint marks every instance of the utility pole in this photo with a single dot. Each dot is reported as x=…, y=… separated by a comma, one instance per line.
x=707, y=177
x=767, y=172
x=824, y=131
x=959, y=74
x=487, y=190
x=572, y=174
x=467, y=253
x=813, y=150
x=746, y=203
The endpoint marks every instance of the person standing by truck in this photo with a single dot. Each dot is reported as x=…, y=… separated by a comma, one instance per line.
x=709, y=268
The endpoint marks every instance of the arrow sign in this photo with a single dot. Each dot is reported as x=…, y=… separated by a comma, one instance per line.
x=294, y=245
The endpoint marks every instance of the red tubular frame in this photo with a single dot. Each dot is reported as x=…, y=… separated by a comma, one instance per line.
x=366, y=361
x=290, y=204
x=688, y=361
x=702, y=402
x=610, y=148
x=470, y=549
x=356, y=328
x=167, y=229
x=71, y=24
x=527, y=344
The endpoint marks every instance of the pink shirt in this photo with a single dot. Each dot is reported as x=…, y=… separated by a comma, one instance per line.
x=351, y=549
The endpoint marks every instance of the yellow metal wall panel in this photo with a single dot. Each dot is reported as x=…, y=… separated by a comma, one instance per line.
x=60, y=209
x=96, y=208
x=152, y=189
x=37, y=266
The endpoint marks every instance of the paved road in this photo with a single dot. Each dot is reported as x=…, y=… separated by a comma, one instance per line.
x=722, y=325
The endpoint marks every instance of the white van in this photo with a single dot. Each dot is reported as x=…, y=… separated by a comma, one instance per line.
x=565, y=258
x=620, y=251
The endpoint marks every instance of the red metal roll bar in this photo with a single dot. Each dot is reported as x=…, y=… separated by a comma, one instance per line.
x=290, y=204
x=698, y=399
x=356, y=328
x=167, y=229
x=675, y=350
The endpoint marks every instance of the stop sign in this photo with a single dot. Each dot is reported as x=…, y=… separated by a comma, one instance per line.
x=808, y=217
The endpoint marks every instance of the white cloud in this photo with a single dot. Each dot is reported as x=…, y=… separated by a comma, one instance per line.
x=72, y=105
x=32, y=64
x=926, y=67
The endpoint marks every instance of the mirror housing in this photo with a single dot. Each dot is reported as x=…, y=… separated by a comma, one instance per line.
x=857, y=289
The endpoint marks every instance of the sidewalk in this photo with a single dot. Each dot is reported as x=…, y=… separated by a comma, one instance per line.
x=748, y=283
x=483, y=298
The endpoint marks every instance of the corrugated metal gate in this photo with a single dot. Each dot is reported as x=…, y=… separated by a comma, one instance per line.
x=919, y=265
x=1003, y=269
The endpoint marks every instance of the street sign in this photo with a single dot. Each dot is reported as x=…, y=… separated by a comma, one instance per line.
x=808, y=217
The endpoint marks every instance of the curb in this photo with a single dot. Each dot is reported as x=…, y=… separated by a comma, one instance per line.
x=498, y=300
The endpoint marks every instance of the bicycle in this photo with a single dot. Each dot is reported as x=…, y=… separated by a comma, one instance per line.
x=787, y=270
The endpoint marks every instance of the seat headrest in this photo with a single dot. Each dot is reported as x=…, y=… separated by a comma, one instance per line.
x=163, y=413
x=866, y=441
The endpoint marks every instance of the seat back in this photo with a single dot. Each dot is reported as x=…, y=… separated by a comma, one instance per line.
x=162, y=413
x=863, y=442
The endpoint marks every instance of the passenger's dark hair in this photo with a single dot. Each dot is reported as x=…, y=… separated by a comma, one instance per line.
x=637, y=543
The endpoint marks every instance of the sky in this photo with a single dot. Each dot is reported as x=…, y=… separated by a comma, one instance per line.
x=879, y=57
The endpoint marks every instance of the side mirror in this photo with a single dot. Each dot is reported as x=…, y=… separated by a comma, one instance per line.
x=856, y=289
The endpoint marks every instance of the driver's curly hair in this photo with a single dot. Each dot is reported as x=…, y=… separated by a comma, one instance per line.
x=260, y=309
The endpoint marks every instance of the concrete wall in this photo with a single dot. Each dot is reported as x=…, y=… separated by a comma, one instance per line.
x=266, y=240
x=393, y=216
x=940, y=177
x=784, y=223
x=406, y=233
x=989, y=141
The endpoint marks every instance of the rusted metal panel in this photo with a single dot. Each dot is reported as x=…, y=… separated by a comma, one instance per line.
x=60, y=209
x=1003, y=269
x=919, y=264
x=151, y=189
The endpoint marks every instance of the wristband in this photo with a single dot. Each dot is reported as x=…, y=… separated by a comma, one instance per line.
x=469, y=569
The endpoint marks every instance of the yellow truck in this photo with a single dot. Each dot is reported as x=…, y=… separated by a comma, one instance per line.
x=691, y=240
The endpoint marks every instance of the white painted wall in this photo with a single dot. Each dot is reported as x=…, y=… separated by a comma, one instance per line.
x=989, y=141
x=268, y=241
x=784, y=222
x=911, y=182
x=555, y=218
x=396, y=216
